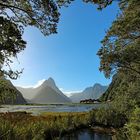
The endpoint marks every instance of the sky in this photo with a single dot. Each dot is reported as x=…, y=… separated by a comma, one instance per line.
x=69, y=56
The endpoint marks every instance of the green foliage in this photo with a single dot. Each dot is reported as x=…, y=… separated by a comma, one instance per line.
x=123, y=94
x=11, y=43
x=120, y=47
x=9, y=94
x=22, y=126
x=101, y=3
x=14, y=16
x=120, y=55
x=42, y=14
x=125, y=89
x=109, y=117
x=133, y=126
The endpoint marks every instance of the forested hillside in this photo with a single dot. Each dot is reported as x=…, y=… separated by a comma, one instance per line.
x=120, y=57
x=124, y=86
x=9, y=94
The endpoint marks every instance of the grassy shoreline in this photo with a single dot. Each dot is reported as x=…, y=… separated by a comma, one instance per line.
x=50, y=125
x=53, y=125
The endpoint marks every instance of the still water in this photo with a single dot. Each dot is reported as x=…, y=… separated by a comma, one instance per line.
x=86, y=134
x=37, y=109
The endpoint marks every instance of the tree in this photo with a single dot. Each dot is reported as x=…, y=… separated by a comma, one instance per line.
x=14, y=16
x=120, y=49
x=42, y=14
x=133, y=125
x=120, y=55
x=11, y=43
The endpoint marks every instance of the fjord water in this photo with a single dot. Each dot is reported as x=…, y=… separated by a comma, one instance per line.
x=86, y=134
x=38, y=109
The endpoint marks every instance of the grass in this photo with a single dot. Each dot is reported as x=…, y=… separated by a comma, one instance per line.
x=23, y=126
x=53, y=125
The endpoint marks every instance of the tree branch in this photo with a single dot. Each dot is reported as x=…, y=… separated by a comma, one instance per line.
x=15, y=7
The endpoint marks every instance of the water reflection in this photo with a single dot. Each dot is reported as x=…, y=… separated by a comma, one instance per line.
x=86, y=134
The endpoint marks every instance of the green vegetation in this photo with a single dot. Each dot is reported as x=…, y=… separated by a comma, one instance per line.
x=9, y=94
x=120, y=47
x=14, y=16
x=133, y=125
x=22, y=126
x=120, y=56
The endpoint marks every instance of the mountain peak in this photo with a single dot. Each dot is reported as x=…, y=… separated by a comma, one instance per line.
x=50, y=79
x=97, y=84
x=50, y=82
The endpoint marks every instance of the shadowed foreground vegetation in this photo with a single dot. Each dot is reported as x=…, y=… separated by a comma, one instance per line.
x=24, y=126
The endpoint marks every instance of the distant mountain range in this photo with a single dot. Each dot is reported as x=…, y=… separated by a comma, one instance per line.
x=46, y=93
x=9, y=94
x=93, y=92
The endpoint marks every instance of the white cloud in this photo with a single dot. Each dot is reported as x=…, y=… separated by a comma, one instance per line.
x=39, y=83
x=66, y=92
x=29, y=86
x=69, y=92
x=33, y=86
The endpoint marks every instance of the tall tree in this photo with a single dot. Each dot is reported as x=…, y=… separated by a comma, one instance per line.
x=120, y=49
x=11, y=43
x=14, y=16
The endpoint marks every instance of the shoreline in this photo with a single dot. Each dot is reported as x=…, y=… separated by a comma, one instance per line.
x=101, y=129
x=52, y=123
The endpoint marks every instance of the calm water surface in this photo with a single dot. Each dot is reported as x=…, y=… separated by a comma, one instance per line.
x=86, y=134
x=37, y=109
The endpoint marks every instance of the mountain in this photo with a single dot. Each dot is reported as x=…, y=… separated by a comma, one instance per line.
x=89, y=93
x=124, y=87
x=46, y=93
x=28, y=93
x=9, y=94
x=111, y=92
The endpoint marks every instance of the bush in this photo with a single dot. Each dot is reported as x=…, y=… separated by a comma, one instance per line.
x=109, y=117
x=133, y=126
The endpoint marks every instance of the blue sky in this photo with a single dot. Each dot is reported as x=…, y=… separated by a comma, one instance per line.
x=69, y=57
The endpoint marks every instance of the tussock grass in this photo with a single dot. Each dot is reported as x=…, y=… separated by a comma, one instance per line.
x=23, y=126
x=53, y=125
